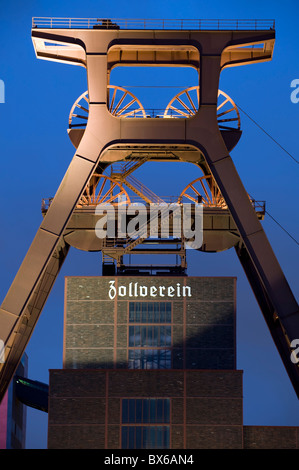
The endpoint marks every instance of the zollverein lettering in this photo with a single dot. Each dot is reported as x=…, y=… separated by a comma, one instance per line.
x=134, y=289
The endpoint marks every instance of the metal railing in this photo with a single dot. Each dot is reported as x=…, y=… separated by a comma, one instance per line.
x=79, y=122
x=259, y=206
x=164, y=24
x=142, y=189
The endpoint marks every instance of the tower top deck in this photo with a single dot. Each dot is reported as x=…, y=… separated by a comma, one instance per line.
x=155, y=42
x=168, y=24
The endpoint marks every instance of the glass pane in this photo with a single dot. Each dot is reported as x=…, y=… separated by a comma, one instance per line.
x=150, y=312
x=150, y=339
x=159, y=437
x=138, y=411
x=138, y=437
x=162, y=336
x=144, y=312
x=157, y=333
x=149, y=437
x=166, y=437
x=145, y=412
x=152, y=360
x=156, y=312
x=152, y=438
x=152, y=404
x=166, y=411
x=131, y=335
x=131, y=430
x=137, y=312
x=131, y=311
x=168, y=335
x=160, y=411
x=156, y=359
x=137, y=334
x=162, y=312
x=164, y=359
x=168, y=312
x=132, y=416
x=143, y=335
x=144, y=437
x=131, y=360
x=124, y=411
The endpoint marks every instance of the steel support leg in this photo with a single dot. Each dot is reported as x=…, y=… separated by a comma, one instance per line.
x=27, y=295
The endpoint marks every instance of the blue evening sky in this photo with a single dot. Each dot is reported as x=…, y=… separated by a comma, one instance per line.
x=36, y=151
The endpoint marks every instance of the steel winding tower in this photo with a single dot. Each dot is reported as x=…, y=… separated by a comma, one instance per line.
x=110, y=130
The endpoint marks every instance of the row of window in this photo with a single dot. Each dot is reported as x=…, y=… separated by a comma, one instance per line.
x=145, y=437
x=151, y=329
x=149, y=335
x=150, y=345
x=155, y=338
x=145, y=410
x=150, y=312
x=149, y=359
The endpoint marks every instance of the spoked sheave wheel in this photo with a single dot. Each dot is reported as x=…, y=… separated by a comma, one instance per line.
x=186, y=103
x=103, y=190
x=122, y=103
x=203, y=190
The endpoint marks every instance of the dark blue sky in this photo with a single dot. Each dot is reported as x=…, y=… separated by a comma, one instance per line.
x=36, y=151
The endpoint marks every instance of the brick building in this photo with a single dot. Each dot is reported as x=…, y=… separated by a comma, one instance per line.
x=150, y=362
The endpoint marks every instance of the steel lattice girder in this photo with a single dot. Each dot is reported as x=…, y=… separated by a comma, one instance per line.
x=92, y=48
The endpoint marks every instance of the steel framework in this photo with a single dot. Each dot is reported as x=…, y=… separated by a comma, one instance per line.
x=98, y=45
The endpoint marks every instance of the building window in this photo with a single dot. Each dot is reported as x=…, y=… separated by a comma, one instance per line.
x=145, y=410
x=150, y=312
x=149, y=359
x=145, y=437
x=145, y=423
x=150, y=335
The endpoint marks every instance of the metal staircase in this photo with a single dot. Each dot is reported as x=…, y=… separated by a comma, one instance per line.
x=123, y=173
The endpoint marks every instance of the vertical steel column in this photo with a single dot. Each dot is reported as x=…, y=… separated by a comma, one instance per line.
x=267, y=279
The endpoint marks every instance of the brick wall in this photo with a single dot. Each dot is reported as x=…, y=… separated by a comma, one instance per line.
x=85, y=406
x=271, y=437
x=203, y=325
x=206, y=406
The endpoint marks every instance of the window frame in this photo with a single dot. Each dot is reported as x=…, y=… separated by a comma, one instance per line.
x=146, y=325
x=153, y=432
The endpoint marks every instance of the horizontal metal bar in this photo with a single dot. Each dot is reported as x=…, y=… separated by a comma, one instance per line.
x=259, y=206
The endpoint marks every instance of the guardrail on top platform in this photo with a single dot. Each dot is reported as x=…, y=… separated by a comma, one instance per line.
x=173, y=24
